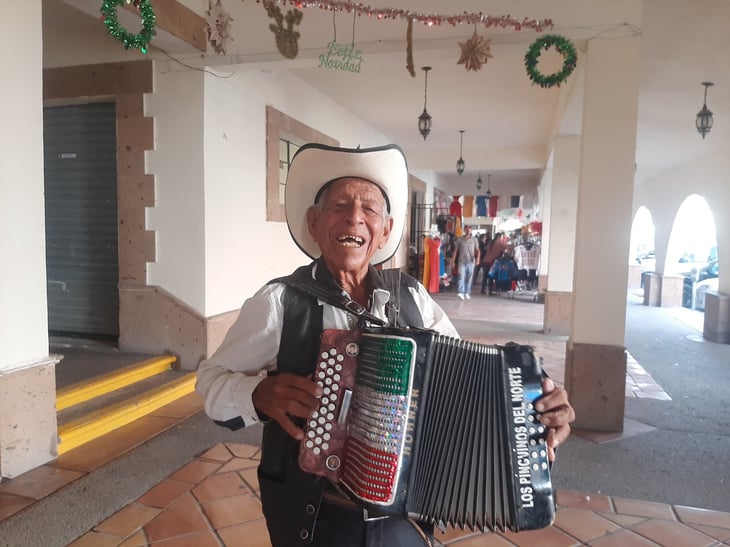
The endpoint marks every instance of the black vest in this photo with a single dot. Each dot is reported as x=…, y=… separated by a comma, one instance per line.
x=289, y=496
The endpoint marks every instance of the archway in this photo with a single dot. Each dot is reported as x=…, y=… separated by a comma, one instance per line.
x=692, y=249
x=641, y=248
x=693, y=240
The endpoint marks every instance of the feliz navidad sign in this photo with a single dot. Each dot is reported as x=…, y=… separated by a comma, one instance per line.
x=341, y=57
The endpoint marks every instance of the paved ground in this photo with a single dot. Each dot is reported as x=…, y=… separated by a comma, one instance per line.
x=672, y=451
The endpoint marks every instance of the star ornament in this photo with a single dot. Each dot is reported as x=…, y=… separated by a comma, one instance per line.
x=219, y=27
x=474, y=52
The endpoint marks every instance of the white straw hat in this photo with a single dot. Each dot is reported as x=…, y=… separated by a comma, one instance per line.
x=314, y=165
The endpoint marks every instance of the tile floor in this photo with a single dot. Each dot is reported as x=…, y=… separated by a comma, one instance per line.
x=213, y=500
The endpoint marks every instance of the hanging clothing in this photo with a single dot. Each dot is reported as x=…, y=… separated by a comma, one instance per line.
x=468, y=208
x=481, y=206
x=527, y=256
x=426, y=275
x=493, y=206
x=455, y=207
x=434, y=264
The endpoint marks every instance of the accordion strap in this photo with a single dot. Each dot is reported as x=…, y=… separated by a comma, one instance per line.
x=337, y=298
x=391, y=278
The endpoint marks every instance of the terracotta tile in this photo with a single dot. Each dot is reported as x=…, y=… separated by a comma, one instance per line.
x=183, y=517
x=182, y=408
x=243, y=450
x=720, y=534
x=584, y=525
x=95, y=539
x=623, y=538
x=249, y=534
x=234, y=510
x=11, y=504
x=252, y=479
x=480, y=540
x=98, y=452
x=692, y=515
x=127, y=521
x=625, y=521
x=39, y=482
x=197, y=539
x=220, y=486
x=583, y=500
x=452, y=534
x=137, y=540
x=672, y=534
x=195, y=471
x=648, y=509
x=165, y=493
x=219, y=453
x=238, y=464
x=547, y=537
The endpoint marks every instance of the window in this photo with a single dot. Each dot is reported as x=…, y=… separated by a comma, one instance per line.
x=284, y=136
x=287, y=149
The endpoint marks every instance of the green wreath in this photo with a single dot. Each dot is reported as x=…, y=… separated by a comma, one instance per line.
x=562, y=46
x=140, y=40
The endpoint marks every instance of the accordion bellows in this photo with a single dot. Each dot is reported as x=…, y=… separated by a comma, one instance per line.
x=443, y=430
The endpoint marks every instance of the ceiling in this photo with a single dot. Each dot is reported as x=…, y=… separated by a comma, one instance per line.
x=508, y=121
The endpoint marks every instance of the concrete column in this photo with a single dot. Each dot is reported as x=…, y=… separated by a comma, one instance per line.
x=596, y=357
x=717, y=317
x=671, y=292
x=562, y=223
x=27, y=379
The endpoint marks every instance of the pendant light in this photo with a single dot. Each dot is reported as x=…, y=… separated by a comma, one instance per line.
x=479, y=181
x=460, y=163
x=704, y=117
x=424, y=120
x=489, y=193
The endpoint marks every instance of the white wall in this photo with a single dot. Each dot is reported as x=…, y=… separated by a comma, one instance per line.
x=214, y=245
x=23, y=315
x=178, y=165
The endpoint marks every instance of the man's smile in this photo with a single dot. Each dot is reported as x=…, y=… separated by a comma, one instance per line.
x=351, y=241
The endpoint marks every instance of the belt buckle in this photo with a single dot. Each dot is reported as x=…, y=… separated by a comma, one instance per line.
x=367, y=518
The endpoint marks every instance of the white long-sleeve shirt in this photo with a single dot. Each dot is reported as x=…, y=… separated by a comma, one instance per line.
x=227, y=380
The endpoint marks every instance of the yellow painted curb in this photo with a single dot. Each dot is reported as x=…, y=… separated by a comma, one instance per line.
x=101, y=422
x=85, y=391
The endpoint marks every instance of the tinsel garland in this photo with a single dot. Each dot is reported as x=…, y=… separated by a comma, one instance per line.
x=428, y=19
x=562, y=46
x=140, y=40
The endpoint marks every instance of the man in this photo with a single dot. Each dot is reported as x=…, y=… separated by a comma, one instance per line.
x=494, y=251
x=483, y=243
x=466, y=256
x=346, y=209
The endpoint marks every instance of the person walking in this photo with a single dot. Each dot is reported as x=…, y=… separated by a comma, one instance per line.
x=465, y=257
x=483, y=241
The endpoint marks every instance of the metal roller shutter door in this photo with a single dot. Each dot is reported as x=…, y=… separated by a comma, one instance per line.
x=82, y=263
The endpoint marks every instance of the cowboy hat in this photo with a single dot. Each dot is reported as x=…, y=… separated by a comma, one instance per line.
x=315, y=165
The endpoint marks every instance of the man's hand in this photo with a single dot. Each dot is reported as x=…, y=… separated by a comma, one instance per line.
x=287, y=395
x=555, y=413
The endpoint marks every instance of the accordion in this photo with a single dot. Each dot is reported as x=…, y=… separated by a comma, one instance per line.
x=442, y=430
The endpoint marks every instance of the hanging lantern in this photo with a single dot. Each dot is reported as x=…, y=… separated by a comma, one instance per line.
x=460, y=163
x=704, y=117
x=424, y=120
